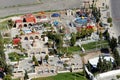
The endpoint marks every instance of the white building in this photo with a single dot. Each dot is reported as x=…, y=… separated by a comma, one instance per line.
x=94, y=61
x=110, y=75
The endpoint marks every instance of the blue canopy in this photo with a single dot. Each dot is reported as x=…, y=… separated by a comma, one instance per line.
x=55, y=15
x=55, y=23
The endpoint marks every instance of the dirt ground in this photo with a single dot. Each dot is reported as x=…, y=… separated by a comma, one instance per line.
x=90, y=55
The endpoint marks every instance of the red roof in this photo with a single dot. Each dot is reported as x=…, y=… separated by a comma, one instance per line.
x=30, y=19
x=18, y=21
x=16, y=41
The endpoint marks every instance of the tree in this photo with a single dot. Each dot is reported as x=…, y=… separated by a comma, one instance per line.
x=8, y=69
x=89, y=66
x=3, y=63
x=100, y=35
x=73, y=39
x=104, y=65
x=21, y=32
x=46, y=58
x=99, y=64
x=41, y=61
x=2, y=55
x=10, y=23
x=116, y=57
x=109, y=20
x=83, y=33
x=111, y=24
x=89, y=31
x=109, y=65
x=113, y=43
x=96, y=13
x=59, y=40
x=106, y=35
x=26, y=75
x=35, y=60
x=7, y=77
x=71, y=70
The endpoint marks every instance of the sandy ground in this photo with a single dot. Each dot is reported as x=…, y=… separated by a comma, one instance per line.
x=90, y=56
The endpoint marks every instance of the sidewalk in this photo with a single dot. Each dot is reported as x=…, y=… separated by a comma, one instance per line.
x=100, y=4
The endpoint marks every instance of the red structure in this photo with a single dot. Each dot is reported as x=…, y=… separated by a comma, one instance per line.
x=89, y=27
x=29, y=18
x=16, y=41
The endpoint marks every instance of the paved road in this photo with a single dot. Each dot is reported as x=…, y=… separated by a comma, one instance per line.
x=10, y=3
x=115, y=8
x=45, y=5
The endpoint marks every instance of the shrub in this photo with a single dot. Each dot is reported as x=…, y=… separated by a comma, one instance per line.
x=118, y=76
x=109, y=20
x=111, y=24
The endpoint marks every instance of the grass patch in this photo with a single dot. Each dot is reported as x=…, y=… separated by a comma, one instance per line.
x=70, y=49
x=93, y=45
x=3, y=25
x=74, y=49
x=13, y=56
x=7, y=40
x=64, y=76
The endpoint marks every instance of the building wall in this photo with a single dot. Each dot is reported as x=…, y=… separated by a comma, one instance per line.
x=34, y=36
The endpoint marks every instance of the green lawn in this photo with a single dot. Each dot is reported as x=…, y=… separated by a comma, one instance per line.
x=64, y=76
x=13, y=56
x=93, y=45
x=74, y=49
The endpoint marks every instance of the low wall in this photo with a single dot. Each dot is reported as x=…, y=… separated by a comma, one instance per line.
x=63, y=71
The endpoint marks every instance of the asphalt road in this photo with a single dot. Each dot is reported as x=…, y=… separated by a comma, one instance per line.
x=45, y=5
x=115, y=9
x=9, y=3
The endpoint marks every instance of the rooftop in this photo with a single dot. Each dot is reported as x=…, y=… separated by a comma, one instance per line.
x=94, y=61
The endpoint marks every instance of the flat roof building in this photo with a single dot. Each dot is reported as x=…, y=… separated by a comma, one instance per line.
x=94, y=61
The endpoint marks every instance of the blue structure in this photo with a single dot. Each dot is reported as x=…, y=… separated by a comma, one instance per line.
x=81, y=21
x=55, y=15
x=55, y=23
